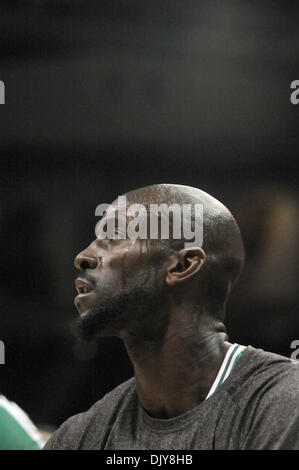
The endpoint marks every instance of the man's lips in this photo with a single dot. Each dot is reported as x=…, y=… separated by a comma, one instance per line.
x=83, y=287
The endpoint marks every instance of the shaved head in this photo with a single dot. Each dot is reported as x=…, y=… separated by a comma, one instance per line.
x=136, y=283
x=222, y=240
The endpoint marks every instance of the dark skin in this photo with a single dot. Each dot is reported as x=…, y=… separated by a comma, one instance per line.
x=173, y=326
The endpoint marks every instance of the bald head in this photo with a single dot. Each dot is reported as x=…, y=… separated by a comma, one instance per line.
x=222, y=241
x=137, y=282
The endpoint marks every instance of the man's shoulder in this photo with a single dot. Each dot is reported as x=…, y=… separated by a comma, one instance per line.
x=268, y=400
x=265, y=376
x=112, y=401
x=269, y=364
x=84, y=430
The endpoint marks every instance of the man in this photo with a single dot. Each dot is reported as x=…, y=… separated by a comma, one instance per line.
x=191, y=388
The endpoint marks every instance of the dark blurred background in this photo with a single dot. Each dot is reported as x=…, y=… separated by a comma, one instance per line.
x=106, y=96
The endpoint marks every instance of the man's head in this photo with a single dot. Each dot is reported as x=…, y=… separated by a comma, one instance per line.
x=130, y=286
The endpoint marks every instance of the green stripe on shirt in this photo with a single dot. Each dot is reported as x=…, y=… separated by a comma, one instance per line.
x=232, y=356
x=227, y=365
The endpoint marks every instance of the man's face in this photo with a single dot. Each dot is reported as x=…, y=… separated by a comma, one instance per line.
x=120, y=286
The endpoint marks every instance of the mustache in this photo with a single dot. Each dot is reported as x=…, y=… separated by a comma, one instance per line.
x=87, y=277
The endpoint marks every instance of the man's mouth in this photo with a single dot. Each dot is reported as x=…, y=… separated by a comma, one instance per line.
x=83, y=287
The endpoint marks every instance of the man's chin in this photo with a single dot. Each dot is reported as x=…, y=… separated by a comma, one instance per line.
x=90, y=325
x=114, y=314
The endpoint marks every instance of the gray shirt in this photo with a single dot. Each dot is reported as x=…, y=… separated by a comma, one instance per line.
x=257, y=407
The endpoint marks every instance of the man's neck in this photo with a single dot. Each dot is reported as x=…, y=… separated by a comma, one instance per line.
x=174, y=375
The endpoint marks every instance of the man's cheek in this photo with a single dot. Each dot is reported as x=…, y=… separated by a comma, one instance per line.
x=115, y=274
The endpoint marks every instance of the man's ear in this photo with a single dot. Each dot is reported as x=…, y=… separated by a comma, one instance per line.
x=188, y=263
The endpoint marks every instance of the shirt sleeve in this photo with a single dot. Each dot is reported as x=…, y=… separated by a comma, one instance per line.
x=275, y=425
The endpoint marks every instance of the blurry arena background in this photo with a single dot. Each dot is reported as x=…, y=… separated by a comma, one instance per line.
x=106, y=96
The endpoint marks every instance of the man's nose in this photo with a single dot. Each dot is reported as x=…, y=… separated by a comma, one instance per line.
x=86, y=260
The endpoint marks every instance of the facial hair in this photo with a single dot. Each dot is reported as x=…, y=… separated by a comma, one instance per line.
x=120, y=310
